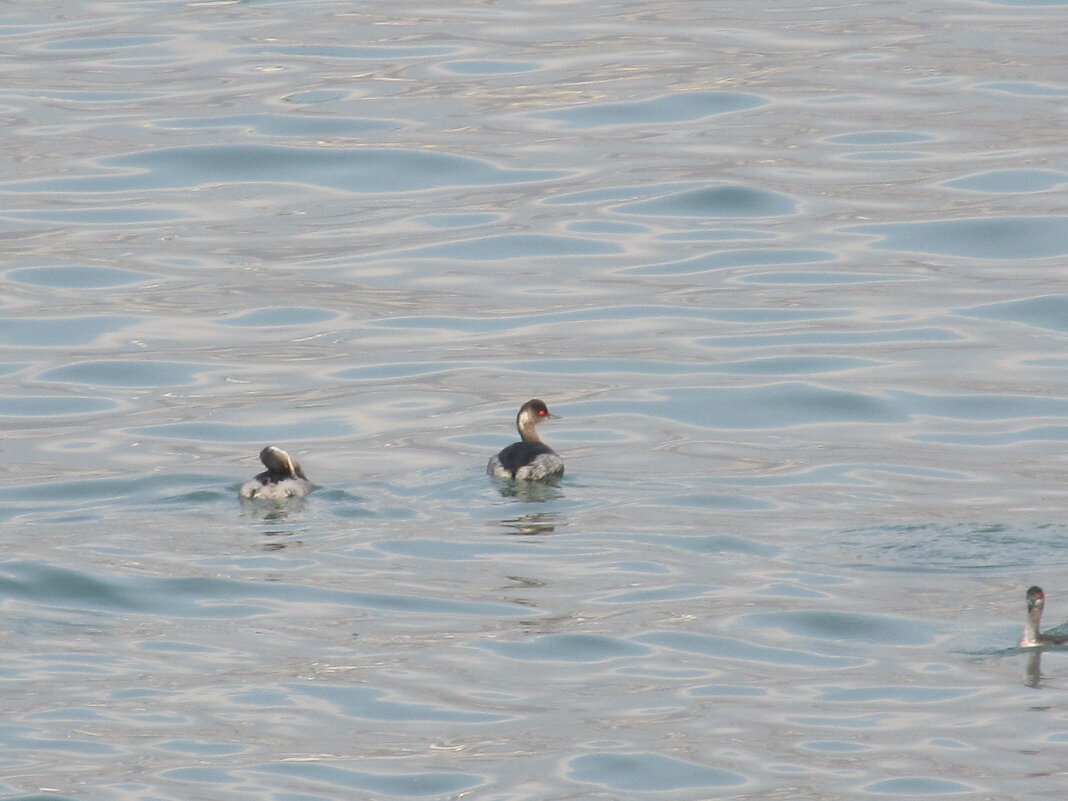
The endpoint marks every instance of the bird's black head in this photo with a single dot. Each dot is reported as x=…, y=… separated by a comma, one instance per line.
x=1035, y=597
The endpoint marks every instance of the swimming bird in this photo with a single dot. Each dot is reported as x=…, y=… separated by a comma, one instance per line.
x=283, y=478
x=530, y=459
x=1036, y=600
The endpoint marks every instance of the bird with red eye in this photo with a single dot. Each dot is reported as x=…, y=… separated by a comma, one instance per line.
x=1032, y=637
x=530, y=459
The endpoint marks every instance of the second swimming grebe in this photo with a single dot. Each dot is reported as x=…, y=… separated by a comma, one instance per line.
x=282, y=479
x=1036, y=600
x=530, y=459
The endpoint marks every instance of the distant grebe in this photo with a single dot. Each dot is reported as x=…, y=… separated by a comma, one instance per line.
x=530, y=459
x=1036, y=600
x=282, y=479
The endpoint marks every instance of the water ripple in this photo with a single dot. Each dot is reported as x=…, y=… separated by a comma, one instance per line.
x=715, y=202
x=738, y=650
x=987, y=238
x=667, y=109
x=350, y=170
x=792, y=279
x=648, y=772
x=344, y=780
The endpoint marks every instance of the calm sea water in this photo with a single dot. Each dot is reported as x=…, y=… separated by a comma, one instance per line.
x=793, y=276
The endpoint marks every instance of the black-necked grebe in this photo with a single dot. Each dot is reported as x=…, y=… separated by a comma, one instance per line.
x=530, y=459
x=282, y=479
x=1036, y=600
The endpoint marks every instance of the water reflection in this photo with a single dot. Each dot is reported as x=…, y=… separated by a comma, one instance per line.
x=519, y=584
x=763, y=389
x=531, y=491
x=1033, y=668
x=271, y=510
x=533, y=523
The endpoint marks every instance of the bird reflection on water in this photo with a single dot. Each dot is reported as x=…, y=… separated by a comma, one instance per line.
x=533, y=523
x=274, y=512
x=1033, y=668
x=532, y=492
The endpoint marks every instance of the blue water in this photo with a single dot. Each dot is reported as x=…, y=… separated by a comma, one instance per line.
x=793, y=277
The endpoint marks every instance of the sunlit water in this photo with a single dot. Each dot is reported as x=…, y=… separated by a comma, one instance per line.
x=792, y=275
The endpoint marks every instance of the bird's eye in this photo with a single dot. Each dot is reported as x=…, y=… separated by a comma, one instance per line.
x=542, y=412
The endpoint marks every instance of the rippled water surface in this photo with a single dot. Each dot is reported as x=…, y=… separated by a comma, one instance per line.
x=792, y=275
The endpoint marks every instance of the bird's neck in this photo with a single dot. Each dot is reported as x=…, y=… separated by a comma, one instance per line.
x=1030, y=634
x=526, y=426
